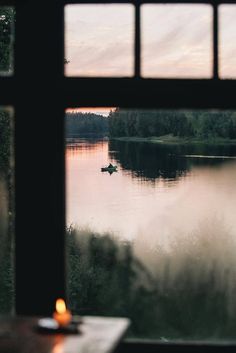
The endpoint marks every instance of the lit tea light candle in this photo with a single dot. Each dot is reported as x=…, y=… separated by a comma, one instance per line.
x=62, y=315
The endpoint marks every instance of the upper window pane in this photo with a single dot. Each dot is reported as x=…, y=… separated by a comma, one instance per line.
x=99, y=40
x=176, y=41
x=6, y=40
x=227, y=43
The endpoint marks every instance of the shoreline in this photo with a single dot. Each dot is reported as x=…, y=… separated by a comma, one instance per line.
x=174, y=140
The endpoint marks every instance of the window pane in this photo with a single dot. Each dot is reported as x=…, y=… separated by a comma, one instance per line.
x=6, y=40
x=99, y=40
x=6, y=212
x=176, y=41
x=227, y=42
x=154, y=238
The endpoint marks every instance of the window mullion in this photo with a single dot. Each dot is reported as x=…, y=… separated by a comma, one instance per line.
x=39, y=158
x=8, y=93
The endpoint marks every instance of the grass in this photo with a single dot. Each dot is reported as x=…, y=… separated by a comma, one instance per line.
x=189, y=293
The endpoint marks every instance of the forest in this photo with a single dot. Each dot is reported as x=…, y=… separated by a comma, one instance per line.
x=199, y=124
x=85, y=124
x=148, y=123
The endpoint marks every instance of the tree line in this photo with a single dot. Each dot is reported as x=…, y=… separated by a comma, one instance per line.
x=78, y=123
x=146, y=123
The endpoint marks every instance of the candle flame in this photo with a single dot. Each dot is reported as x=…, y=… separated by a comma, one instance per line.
x=60, y=306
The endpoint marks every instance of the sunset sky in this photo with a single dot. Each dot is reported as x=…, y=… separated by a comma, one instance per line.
x=176, y=40
x=96, y=110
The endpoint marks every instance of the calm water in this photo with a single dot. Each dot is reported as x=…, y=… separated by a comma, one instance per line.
x=158, y=192
x=170, y=261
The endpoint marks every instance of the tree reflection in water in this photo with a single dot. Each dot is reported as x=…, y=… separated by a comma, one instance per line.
x=150, y=161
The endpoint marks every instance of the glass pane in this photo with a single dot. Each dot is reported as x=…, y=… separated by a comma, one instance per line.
x=152, y=236
x=6, y=212
x=6, y=40
x=176, y=41
x=99, y=40
x=227, y=43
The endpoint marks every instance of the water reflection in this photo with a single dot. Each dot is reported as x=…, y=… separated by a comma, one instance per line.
x=151, y=161
x=157, y=189
x=76, y=144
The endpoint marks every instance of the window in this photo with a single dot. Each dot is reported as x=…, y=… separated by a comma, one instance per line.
x=39, y=136
x=226, y=41
x=92, y=197
x=99, y=40
x=176, y=40
x=152, y=236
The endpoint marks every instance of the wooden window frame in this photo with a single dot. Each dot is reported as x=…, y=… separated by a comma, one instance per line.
x=40, y=93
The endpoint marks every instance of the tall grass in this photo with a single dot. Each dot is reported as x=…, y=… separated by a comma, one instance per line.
x=186, y=291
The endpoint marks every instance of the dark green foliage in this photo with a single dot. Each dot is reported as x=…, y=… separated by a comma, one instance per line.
x=6, y=216
x=92, y=289
x=6, y=33
x=6, y=272
x=146, y=123
x=5, y=133
x=85, y=124
x=106, y=278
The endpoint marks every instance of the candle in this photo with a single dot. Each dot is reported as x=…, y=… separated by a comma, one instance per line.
x=62, y=315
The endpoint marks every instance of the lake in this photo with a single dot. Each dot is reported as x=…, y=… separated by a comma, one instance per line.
x=158, y=191
x=174, y=205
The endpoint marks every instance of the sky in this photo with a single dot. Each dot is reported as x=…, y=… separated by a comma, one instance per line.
x=95, y=110
x=176, y=40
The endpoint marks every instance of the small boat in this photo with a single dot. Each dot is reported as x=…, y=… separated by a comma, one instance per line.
x=110, y=168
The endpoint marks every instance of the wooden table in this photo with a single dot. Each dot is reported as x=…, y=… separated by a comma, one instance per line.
x=98, y=335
